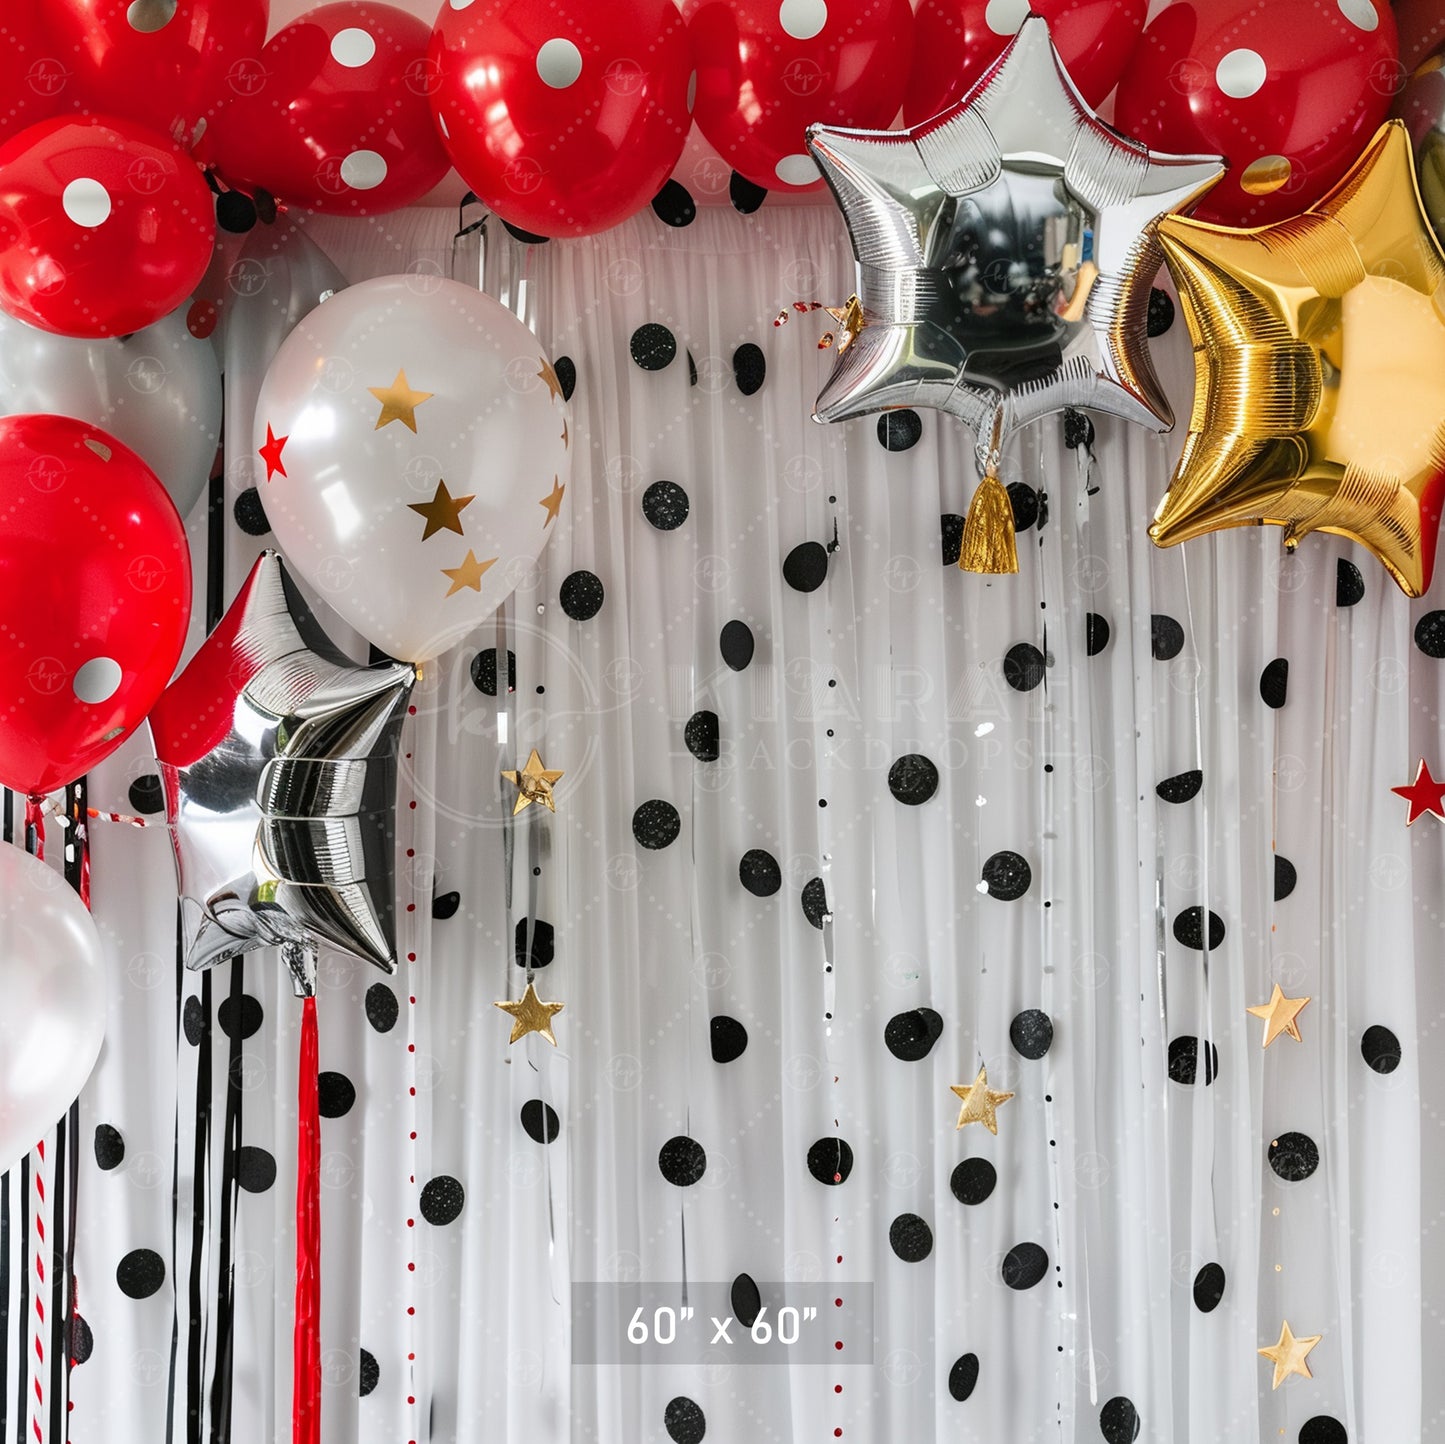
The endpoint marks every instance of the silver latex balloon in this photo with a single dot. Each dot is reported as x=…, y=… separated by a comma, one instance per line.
x=52, y=979
x=1422, y=107
x=279, y=278
x=159, y=391
x=1005, y=254
x=278, y=762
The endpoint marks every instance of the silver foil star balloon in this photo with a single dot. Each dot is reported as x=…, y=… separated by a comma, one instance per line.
x=1005, y=254
x=278, y=762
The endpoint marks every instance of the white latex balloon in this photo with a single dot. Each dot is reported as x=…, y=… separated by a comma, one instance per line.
x=159, y=391
x=52, y=1000
x=416, y=452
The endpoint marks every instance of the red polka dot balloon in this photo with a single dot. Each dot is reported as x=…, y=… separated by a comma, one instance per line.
x=105, y=226
x=165, y=63
x=768, y=69
x=32, y=81
x=564, y=119
x=95, y=589
x=338, y=120
x=957, y=40
x=1288, y=92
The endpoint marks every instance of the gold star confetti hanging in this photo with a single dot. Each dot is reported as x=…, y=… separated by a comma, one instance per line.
x=566, y=438
x=1279, y=1015
x=443, y=512
x=980, y=1102
x=530, y=1014
x=533, y=784
x=469, y=574
x=398, y=402
x=553, y=384
x=553, y=502
x=1288, y=1356
x=1319, y=349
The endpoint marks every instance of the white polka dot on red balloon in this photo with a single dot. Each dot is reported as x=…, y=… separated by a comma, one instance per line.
x=1004, y=17
x=96, y=681
x=363, y=170
x=559, y=63
x=1241, y=73
x=148, y=16
x=797, y=170
x=352, y=47
x=803, y=19
x=1360, y=13
x=86, y=202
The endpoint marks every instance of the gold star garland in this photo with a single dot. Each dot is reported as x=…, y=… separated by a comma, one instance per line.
x=1288, y=1355
x=530, y=1014
x=534, y=784
x=980, y=1102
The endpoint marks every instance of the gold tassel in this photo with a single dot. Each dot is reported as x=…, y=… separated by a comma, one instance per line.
x=988, y=534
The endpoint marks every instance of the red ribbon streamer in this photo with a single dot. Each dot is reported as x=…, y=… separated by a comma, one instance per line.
x=35, y=826
x=306, y=1376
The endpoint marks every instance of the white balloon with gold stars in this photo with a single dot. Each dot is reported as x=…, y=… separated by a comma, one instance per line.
x=417, y=447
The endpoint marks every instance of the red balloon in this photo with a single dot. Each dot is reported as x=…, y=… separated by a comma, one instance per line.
x=767, y=71
x=563, y=119
x=1422, y=31
x=163, y=63
x=340, y=121
x=95, y=589
x=32, y=80
x=1289, y=93
x=105, y=227
x=957, y=40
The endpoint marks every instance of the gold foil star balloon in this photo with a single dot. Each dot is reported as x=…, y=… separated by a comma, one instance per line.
x=1320, y=370
x=530, y=1014
x=1288, y=1355
x=980, y=1102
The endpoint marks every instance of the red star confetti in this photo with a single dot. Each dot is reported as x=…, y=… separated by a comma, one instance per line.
x=271, y=453
x=1424, y=795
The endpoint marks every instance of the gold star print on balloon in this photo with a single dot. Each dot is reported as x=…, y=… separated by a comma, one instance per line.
x=531, y=1015
x=533, y=784
x=553, y=502
x=980, y=1102
x=553, y=384
x=398, y=402
x=1320, y=370
x=443, y=512
x=1279, y=1015
x=469, y=574
x=1288, y=1356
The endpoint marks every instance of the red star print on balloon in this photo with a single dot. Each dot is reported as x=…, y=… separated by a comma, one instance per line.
x=271, y=453
x=1425, y=794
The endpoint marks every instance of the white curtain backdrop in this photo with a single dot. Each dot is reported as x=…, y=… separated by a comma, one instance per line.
x=866, y=967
